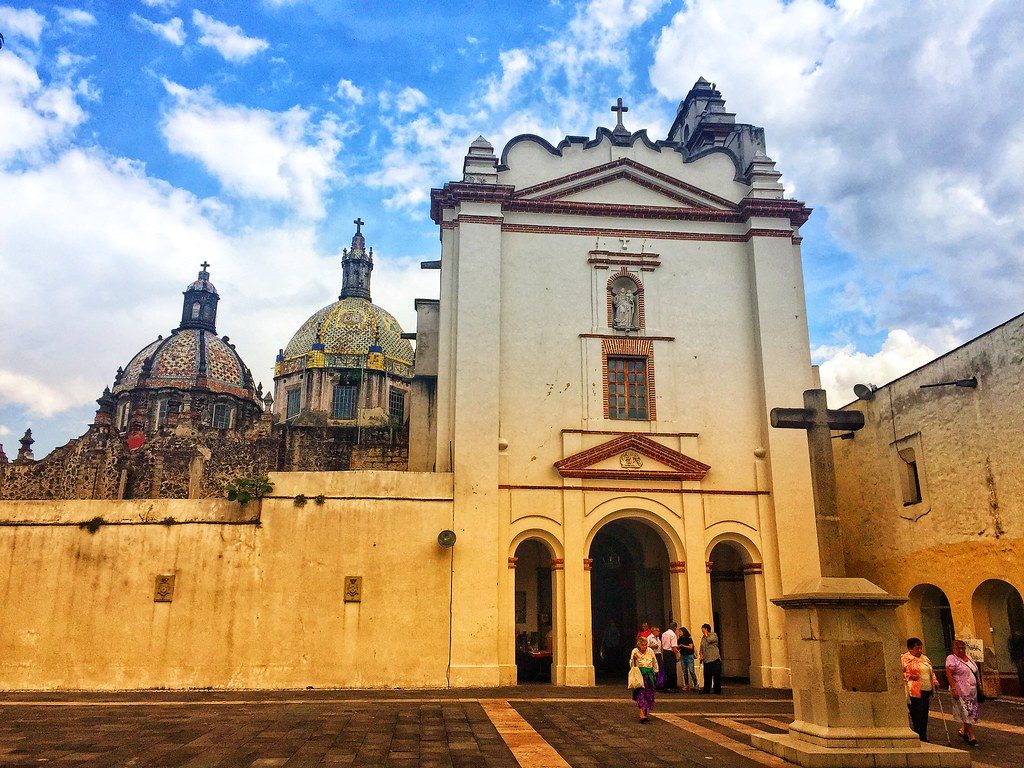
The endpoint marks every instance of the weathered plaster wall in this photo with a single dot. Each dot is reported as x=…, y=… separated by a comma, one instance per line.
x=258, y=598
x=969, y=446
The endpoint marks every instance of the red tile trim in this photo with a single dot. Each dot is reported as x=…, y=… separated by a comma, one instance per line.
x=588, y=563
x=709, y=565
x=753, y=568
x=557, y=563
x=466, y=218
x=512, y=563
x=677, y=566
x=626, y=489
x=627, y=163
x=653, y=234
x=682, y=466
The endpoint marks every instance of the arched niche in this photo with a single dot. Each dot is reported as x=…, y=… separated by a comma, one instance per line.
x=999, y=623
x=534, y=609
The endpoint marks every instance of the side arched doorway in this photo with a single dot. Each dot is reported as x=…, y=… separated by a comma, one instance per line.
x=730, y=609
x=629, y=585
x=534, y=612
x=999, y=620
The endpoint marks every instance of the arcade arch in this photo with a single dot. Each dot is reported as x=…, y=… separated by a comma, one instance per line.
x=735, y=573
x=999, y=621
x=930, y=607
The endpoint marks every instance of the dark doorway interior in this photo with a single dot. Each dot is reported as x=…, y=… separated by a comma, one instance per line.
x=628, y=586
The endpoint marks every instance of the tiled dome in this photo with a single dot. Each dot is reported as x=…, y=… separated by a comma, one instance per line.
x=348, y=327
x=189, y=358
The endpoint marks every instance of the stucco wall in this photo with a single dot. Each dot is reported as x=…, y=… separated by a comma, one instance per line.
x=969, y=447
x=258, y=598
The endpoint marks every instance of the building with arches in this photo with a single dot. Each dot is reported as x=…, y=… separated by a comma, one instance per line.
x=931, y=499
x=588, y=413
x=617, y=317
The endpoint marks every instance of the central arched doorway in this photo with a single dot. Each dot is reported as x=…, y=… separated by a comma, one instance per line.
x=629, y=585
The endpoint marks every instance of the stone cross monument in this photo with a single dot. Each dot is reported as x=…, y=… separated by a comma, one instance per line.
x=849, y=697
x=819, y=421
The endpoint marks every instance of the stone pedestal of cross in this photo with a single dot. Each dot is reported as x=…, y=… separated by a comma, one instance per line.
x=849, y=697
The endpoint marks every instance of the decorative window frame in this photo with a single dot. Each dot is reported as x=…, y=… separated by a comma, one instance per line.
x=610, y=303
x=629, y=347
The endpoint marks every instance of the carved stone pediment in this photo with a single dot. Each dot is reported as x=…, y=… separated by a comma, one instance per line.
x=632, y=457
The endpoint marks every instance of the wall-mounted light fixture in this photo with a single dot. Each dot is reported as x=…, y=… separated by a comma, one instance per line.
x=968, y=383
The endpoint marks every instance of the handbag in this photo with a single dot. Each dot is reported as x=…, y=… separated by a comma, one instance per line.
x=636, y=678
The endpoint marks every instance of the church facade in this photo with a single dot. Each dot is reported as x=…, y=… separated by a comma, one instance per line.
x=617, y=317
x=587, y=413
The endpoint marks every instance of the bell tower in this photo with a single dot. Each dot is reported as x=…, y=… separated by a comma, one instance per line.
x=199, y=310
x=356, y=266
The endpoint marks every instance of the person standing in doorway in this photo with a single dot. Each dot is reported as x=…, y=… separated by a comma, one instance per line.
x=921, y=684
x=712, y=660
x=687, y=650
x=654, y=643
x=670, y=656
x=645, y=630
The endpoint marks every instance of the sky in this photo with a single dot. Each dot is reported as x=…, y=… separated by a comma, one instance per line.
x=140, y=137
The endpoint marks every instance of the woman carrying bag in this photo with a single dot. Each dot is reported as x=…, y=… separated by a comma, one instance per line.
x=643, y=668
x=964, y=685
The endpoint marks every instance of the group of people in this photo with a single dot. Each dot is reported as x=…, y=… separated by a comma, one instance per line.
x=657, y=654
x=963, y=677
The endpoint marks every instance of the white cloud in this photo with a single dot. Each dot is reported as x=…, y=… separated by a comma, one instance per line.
x=902, y=120
x=407, y=100
x=283, y=157
x=164, y=5
x=172, y=30
x=349, y=91
x=76, y=17
x=24, y=23
x=36, y=116
x=842, y=367
x=4, y=430
x=229, y=41
x=515, y=65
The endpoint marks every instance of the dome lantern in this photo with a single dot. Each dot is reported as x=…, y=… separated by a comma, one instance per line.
x=356, y=266
x=199, y=310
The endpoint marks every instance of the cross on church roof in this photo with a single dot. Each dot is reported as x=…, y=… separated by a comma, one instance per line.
x=204, y=266
x=619, y=109
x=358, y=222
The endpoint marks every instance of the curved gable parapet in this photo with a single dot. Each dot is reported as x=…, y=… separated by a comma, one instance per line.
x=585, y=141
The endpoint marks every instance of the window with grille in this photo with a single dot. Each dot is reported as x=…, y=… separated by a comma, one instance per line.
x=396, y=404
x=343, y=403
x=293, y=404
x=122, y=416
x=627, y=388
x=221, y=416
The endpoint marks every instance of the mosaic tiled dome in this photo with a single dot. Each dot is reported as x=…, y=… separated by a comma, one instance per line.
x=348, y=327
x=189, y=358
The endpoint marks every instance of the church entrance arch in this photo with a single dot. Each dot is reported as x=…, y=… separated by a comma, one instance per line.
x=733, y=608
x=999, y=620
x=534, y=612
x=629, y=586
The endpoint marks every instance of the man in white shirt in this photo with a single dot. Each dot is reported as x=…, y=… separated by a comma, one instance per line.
x=670, y=654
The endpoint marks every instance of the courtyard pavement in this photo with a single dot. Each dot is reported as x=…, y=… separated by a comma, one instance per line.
x=532, y=726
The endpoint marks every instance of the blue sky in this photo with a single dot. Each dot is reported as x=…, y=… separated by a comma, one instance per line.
x=141, y=137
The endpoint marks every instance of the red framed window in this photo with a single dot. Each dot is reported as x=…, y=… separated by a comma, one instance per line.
x=627, y=388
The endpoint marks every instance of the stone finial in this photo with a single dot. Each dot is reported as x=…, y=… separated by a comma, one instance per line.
x=25, y=452
x=764, y=179
x=480, y=165
x=3, y=456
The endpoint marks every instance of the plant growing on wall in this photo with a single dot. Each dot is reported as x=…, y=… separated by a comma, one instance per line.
x=319, y=499
x=245, y=488
x=300, y=500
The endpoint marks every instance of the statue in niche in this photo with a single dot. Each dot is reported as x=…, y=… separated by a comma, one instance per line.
x=624, y=303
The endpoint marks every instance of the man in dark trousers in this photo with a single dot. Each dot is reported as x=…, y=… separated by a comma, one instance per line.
x=670, y=653
x=711, y=659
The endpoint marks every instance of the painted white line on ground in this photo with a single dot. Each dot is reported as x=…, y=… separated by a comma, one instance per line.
x=529, y=747
x=740, y=748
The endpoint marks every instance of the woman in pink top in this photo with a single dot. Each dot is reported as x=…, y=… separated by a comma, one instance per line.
x=963, y=676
